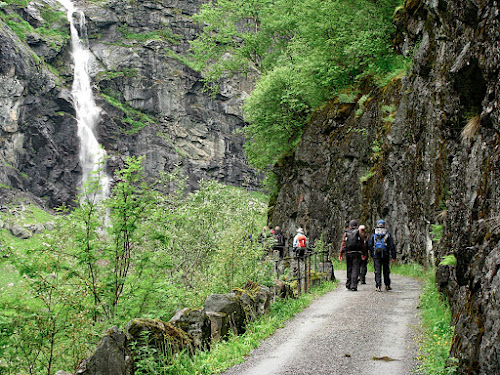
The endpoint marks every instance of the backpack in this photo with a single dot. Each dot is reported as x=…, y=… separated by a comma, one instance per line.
x=353, y=240
x=380, y=242
x=280, y=239
x=301, y=241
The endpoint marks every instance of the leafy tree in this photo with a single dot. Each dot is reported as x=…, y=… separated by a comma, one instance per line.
x=129, y=204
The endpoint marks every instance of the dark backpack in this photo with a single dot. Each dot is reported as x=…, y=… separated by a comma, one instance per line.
x=380, y=242
x=280, y=239
x=353, y=240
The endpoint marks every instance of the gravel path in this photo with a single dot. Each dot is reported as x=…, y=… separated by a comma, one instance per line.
x=341, y=333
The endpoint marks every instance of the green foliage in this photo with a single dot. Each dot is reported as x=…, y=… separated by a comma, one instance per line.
x=437, y=232
x=347, y=97
x=137, y=119
x=18, y=3
x=186, y=60
x=448, y=260
x=361, y=104
x=305, y=52
x=113, y=74
x=367, y=176
x=51, y=31
x=390, y=110
x=137, y=253
x=18, y=25
x=438, y=332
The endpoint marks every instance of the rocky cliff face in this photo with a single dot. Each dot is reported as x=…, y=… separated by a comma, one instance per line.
x=423, y=154
x=152, y=102
x=38, y=145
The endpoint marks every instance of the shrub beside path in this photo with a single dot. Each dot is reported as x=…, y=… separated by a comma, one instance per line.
x=345, y=332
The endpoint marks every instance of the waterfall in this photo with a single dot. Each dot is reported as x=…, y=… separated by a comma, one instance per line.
x=92, y=155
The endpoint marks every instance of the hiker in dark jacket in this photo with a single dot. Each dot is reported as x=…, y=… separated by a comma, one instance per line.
x=354, y=247
x=280, y=241
x=382, y=249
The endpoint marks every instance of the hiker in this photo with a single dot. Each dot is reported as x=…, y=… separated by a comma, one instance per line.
x=264, y=237
x=364, y=257
x=300, y=243
x=280, y=241
x=354, y=247
x=382, y=249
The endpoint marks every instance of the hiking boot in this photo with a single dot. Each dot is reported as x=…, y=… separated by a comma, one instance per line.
x=388, y=287
x=377, y=289
x=363, y=281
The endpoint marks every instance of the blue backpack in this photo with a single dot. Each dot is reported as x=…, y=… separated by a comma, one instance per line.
x=380, y=242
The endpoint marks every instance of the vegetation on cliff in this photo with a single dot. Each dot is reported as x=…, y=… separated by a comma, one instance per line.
x=303, y=52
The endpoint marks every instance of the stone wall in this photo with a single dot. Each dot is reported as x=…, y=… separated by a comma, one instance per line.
x=197, y=329
x=189, y=329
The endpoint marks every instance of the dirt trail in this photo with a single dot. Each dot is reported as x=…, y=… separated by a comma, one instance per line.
x=342, y=332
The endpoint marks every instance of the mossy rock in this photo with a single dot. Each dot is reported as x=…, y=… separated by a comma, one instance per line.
x=163, y=336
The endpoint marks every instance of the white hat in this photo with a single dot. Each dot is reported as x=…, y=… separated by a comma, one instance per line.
x=300, y=230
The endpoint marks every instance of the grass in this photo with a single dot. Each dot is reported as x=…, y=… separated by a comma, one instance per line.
x=232, y=352
x=437, y=334
x=31, y=214
x=434, y=342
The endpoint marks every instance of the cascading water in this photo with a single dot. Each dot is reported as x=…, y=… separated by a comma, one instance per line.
x=92, y=155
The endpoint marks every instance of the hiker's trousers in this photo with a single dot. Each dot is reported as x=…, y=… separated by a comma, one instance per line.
x=353, y=260
x=382, y=265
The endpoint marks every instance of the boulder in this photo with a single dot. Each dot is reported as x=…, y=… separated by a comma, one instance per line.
x=194, y=322
x=225, y=312
x=112, y=357
x=20, y=232
x=35, y=228
x=155, y=333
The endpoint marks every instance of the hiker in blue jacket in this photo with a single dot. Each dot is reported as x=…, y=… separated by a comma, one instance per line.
x=382, y=249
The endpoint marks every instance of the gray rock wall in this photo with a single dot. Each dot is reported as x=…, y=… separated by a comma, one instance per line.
x=38, y=148
x=192, y=129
